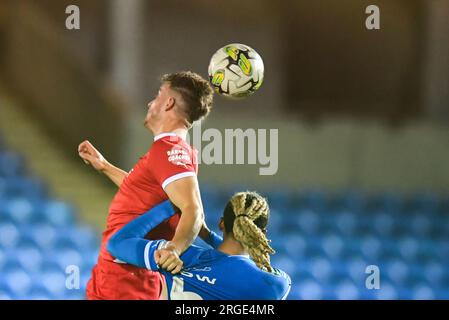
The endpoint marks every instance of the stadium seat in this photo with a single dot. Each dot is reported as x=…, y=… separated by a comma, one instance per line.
x=19, y=282
x=54, y=281
x=9, y=235
x=58, y=213
x=29, y=257
x=19, y=210
x=44, y=235
x=347, y=290
x=387, y=291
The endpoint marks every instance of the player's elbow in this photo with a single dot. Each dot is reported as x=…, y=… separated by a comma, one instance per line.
x=193, y=210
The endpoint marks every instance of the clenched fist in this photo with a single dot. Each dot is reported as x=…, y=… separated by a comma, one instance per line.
x=91, y=156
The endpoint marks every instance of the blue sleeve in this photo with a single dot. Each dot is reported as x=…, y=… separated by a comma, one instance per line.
x=214, y=240
x=284, y=284
x=128, y=244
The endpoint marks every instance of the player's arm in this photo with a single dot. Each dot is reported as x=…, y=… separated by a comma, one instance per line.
x=128, y=244
x=210, y=237
x=184, y=194
x=92, y=156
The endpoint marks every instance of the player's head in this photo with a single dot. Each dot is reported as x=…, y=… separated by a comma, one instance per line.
x=183, y=97
x=245, y=218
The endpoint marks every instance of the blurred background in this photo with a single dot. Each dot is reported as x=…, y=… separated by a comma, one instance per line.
x=363, y=134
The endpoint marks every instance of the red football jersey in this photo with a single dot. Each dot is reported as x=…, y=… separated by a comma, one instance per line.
x=170, y=158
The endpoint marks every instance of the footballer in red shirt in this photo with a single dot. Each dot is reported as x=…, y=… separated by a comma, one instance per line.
x=167, y=171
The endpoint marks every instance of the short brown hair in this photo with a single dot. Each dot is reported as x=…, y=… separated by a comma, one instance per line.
x=196, y=92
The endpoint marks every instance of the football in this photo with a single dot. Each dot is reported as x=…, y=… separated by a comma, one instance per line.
x=236, y=71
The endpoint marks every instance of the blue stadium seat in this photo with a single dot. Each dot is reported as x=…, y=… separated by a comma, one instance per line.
x=284, y=263
x=19, y=210
x=321, y=269
x=387, y=291
x=58, y=213
x=9, y=235
x=30, y=258
x=293, y=245
x=54, y=281
x=44, y=235
x=333, y=245
x=29, y=187
x=49, y=263
x=67, y=257
x=420, y=225
x=19, y=282
x=347, y=290
x=308, y=289
x=423, y=292
x=83, y=237
x=356, y=269
x=434, y=273
x=308, y=221
x=345, y=222
x=397, y=271
x=10, y=262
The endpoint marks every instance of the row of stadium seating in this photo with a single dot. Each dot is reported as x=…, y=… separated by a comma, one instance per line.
x=325, y=242
x=40, y=238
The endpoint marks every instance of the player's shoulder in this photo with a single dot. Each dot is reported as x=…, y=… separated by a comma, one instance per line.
x=171, y=146
x=281, y=283
x=274, y=285
x=277, y=284
x=170, y=141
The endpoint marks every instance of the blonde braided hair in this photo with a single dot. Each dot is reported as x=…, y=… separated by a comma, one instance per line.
x=252, y=238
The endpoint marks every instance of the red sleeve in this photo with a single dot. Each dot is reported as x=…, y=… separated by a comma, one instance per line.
x=170, y=162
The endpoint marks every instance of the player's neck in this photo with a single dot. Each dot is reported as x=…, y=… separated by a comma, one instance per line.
x=231, y=247
x=179, y=131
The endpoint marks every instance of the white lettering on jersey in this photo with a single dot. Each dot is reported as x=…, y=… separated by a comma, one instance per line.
x=198, y=277
x=178, y=156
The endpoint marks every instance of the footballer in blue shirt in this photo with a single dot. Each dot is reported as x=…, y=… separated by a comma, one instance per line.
x=237, y=267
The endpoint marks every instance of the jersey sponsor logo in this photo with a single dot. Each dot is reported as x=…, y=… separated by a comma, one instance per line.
x=206, y=269
x=179, y=156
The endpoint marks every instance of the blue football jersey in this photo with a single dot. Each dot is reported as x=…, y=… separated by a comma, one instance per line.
x=207, y=274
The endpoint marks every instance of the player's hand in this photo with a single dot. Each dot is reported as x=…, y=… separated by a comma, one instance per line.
x=168, y=259
x=91, y=156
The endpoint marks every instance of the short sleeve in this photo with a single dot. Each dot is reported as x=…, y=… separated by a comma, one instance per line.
x=171, y=161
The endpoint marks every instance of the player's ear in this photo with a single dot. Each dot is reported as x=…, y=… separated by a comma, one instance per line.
x=170, y=104
x=221, y=224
